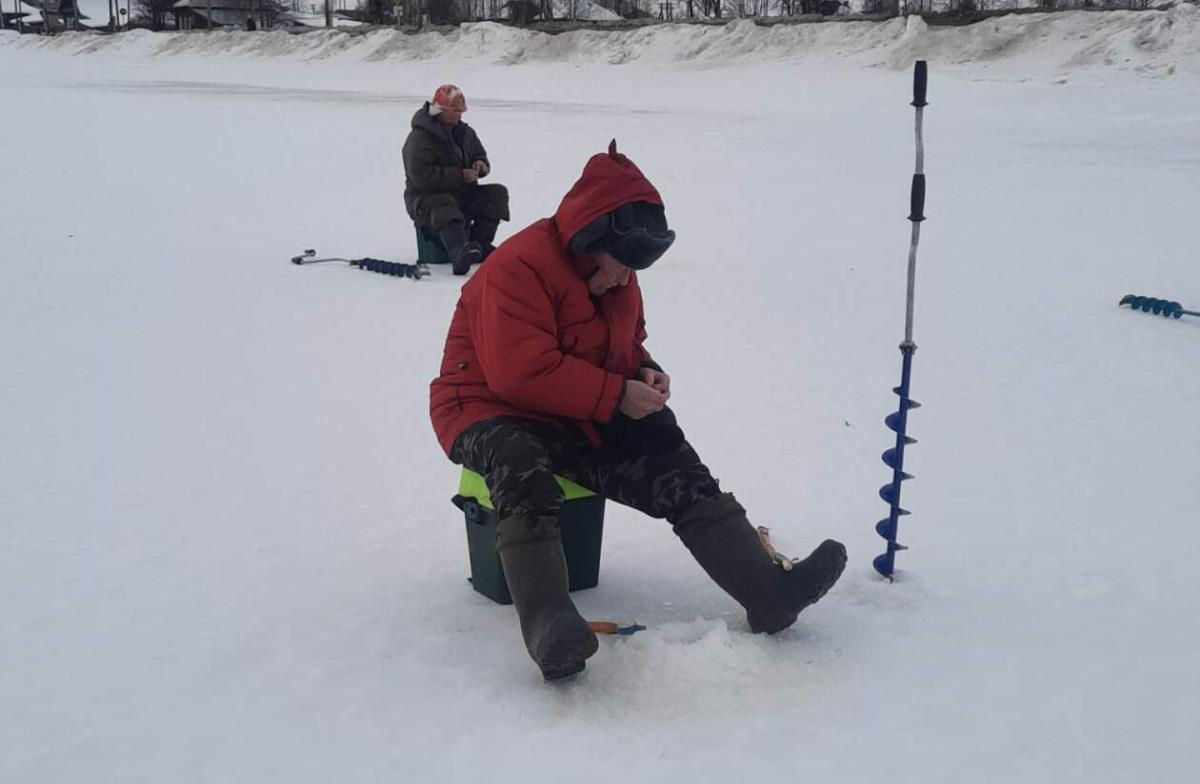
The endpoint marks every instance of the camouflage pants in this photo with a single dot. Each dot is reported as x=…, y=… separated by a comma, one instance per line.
x=645, y=464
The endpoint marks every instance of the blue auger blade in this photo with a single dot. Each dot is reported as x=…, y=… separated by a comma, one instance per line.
x=886, y=528
x=396, y=269
x=890, y=493
x=905, y=437
x=1159, y=307
x=893, y=420
x=891, y=458
x=911, y=403
x=885, y=564
x=885, y=491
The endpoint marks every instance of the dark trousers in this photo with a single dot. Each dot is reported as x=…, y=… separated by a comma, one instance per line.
x=646, y=464
x=474, y=202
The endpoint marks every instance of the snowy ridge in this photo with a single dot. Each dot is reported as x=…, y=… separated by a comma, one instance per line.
x=1153, y=42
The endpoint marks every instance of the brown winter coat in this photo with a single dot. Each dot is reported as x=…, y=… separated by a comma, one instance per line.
x=435, y=156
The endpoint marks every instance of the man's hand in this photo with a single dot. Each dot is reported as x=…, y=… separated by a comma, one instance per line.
x=470, y=177
x=640, y=400
x=481, y=168
x=657, y=379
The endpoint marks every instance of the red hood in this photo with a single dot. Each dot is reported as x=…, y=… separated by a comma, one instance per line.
x=609, y=180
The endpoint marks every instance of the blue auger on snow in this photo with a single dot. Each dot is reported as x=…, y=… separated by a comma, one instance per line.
x=898, y=421
x=394, y=268
x=1159, y=307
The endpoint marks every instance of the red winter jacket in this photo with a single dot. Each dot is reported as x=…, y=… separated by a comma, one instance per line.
x=528, y=339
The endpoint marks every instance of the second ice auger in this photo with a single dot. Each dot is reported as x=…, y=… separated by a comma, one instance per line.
x=1159, y=307
x=393, y=268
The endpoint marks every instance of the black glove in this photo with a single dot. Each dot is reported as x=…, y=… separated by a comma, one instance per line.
x=654, y=434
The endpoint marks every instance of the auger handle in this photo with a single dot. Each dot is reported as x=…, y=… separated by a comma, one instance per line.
x=920, y=79
x=917, y=199
x=916, y=195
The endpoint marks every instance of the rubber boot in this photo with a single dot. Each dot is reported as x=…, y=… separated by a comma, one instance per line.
x=556, y=635
x=721, y=539
x=461, y=252
x=483, y=231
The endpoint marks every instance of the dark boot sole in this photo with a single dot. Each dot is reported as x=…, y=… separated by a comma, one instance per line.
x=568, y=650
x=819, y=589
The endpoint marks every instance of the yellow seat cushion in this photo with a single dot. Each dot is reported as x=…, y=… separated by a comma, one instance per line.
x=472, y=485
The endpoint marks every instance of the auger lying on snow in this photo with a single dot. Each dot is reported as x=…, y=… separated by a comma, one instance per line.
x=1159, y=307
x=898, y=421
x=394, y=268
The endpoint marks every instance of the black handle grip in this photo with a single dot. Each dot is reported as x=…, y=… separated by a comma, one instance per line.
x=917, y=201
x=920, y=78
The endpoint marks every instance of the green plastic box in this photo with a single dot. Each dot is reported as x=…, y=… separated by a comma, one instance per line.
x=581, y=523
x=429, y=247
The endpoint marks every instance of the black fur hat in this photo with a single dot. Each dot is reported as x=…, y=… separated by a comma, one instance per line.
x=634, y=234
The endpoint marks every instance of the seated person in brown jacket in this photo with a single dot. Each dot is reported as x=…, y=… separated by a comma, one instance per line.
x=443, y=163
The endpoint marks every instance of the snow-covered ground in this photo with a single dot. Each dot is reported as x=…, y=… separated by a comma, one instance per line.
x=227, y=552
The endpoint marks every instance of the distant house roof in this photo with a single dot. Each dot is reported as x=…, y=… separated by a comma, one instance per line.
x=318, y=19
x=586, y=10
x=89, y=13
x=625, y=9
x=227, y=13
x=233, y=12
x=31, y=16
x=242, y=6
x=230, y=17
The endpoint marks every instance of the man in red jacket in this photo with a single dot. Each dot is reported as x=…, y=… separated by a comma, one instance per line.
x=545, y=372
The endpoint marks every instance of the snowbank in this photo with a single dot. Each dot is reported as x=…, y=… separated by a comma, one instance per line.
x=1156, y=42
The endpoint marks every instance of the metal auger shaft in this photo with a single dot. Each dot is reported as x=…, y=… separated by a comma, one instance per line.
x=1159, y=307
x=898, y=421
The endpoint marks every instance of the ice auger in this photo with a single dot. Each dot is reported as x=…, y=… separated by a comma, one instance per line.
x=397, y=269
x=898, y=420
